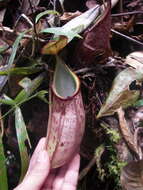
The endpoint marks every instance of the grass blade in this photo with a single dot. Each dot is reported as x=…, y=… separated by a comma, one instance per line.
x=14, y=48
x=3, y=173
x=3, y=79
x=3, y=170
x=25, y=93
x=47, y=12
x=21, y=70
x=22, y=137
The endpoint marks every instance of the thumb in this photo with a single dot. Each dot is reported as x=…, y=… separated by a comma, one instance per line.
x=38, y=173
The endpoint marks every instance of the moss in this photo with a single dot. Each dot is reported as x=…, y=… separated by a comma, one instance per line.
x=113, y=165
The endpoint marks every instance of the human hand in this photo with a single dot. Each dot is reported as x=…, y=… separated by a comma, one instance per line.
x=39, y=177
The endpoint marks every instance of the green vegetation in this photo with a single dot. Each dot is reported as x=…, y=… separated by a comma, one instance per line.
x=113, y=165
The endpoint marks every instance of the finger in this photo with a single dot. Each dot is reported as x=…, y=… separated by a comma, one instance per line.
x=68, y=171
x=39, y=147
x=59, y=179
x=38, y=174
x=71, y=176
x=48, y=184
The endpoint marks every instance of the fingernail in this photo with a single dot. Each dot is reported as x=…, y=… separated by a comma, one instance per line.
x=42, y=156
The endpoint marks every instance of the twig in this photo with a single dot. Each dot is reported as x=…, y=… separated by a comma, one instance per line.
x=1, y=126
x=128, y=13
x=26, y=19
x=54, y=5
x=84, y=172
x=127, y=37
x=84, y=70
x=96, y=159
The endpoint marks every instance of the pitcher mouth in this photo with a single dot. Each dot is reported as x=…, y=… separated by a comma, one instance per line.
x=65, y=98
x=65, y=84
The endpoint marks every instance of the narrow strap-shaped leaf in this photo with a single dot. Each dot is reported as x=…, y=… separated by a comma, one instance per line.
x=3, y=79
x=59, y=31
x=70, y=30
x=20, y=70
x=3, y=173
x=47, y=12
x=33, y=85
x=25, y=94
x=78, y=24
x=3, y=170
x=85, y=19
x=41, y=95
x=14, y=48
x=7, y=102
x=22, y=137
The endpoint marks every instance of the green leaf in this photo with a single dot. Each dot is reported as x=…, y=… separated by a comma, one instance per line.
x=3, y=79
x=3, y=172
x=120, y=94
x=30, y=87
x=25, y=94
x=83, y=21
x=47, y=12
x=14, y=48
x=66, y=83
x=20, y=70
x=22, y=137
x=59, y=31
x=76, y=25
x=73, y=28
x=7, y=100
x=3, y=49
x=138, y=103
x=41, y=95
x=24, y=83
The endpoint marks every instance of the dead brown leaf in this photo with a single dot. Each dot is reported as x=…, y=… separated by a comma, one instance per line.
x=132, y=176
x=26, y=7
x=120, y=94
x=96, y=40
x=128, y=136
x=69, y=15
